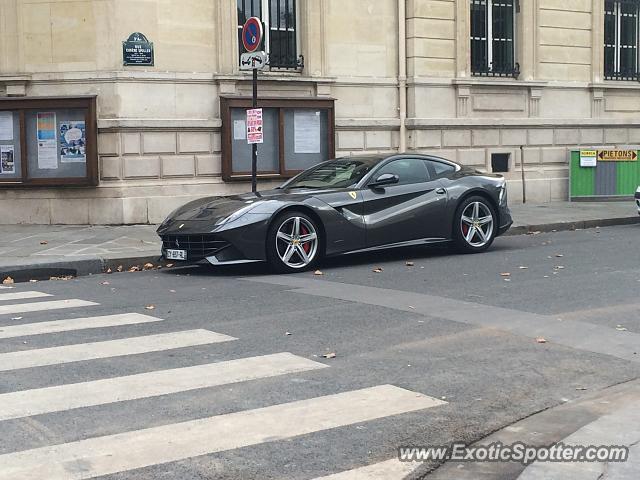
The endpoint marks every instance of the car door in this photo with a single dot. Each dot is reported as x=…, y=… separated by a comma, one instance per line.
x=411, y=209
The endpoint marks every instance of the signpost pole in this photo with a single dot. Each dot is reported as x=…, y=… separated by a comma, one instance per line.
x=254, y=147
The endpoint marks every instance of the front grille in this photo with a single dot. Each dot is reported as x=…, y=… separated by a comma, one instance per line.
x=197, y=246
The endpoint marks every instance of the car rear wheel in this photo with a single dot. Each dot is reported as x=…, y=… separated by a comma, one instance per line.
x=474, y=226
x=293, y=242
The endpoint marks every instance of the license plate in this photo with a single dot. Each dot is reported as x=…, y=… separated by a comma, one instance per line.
x=176, y=254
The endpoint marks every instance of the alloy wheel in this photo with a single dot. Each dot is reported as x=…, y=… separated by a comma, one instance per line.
x=296, y=242
x=476, y=224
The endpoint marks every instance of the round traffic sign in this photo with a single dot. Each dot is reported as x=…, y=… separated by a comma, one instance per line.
x=252, y=34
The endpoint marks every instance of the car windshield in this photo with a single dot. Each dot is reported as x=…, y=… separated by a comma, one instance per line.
x=339, y=173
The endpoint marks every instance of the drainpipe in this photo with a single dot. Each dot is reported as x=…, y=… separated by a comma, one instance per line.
x=402, y=72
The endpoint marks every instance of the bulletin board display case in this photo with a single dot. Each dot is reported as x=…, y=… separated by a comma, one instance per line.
x=48, y=141
x=297, y=134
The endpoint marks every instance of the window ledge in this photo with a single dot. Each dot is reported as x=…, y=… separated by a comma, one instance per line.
x=492, y=81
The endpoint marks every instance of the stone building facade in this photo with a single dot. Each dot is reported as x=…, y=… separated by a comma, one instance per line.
x=401, y=73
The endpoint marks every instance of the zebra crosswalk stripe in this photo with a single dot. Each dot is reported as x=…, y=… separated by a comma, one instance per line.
x=110, y=454
x=77, y=395
x=44, y=306
x=110, y=348
x=393, y=468
x=57, y=326
x=5, y=297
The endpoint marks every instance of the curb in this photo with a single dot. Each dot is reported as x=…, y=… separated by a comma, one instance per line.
x=73, y=267
x=572, y=225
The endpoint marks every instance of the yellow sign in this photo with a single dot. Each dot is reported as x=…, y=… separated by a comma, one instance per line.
x=617, y=155
x=353, y=195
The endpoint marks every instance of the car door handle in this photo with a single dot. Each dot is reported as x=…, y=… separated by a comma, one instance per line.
x=441, y=191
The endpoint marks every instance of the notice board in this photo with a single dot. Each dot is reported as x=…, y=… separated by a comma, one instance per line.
x=601, y=174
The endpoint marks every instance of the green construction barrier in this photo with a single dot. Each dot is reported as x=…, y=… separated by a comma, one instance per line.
x=616, y=173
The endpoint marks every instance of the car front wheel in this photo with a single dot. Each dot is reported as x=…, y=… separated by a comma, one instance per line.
x=293, y=242
x=475, y=225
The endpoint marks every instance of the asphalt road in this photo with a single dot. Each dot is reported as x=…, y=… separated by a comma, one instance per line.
x=453, y=336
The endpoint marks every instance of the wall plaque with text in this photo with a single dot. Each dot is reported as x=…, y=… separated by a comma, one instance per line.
x=137, y=50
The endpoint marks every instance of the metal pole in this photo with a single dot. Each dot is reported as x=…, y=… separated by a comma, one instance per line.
x=524, y=189
x=254, y=147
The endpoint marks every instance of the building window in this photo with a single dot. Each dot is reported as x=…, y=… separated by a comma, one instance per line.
x=279, y=19
x=492, y=38
x=621, y=39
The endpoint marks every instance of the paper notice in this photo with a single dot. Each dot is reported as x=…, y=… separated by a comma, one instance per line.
x=6, y=125
x=7, y=159
x=73, y=142
x=306, y=126
x=47, y=141
x=239, y=130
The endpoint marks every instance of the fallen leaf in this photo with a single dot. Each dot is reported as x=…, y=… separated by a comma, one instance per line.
x=62, y=277
x=287, y=333
x=318, y=272
x=172, y=291
x=580, y=389
x=505, y=274
x=150, y=307
x=620, y=328
x=412, y=307
x=507, y=279
x=522, y=267
x=105, y=283
x=541, y=340
x=16, y=318
x=33, y=281
x=109, y=270
x=120, y=268
x=8, y=281
x=559, y=255
x=44, y=242
x=329, y=355
x=169, y=265
x=148, y=266
x=135, y=268
x=378, y=270
x=409, y=264
x=559, y=267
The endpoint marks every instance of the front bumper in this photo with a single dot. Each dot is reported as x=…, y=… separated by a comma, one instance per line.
x=240, y=241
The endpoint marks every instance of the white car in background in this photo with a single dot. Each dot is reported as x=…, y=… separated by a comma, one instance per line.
x=638, y=199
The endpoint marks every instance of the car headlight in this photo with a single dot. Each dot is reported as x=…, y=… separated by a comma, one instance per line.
x=235, y=215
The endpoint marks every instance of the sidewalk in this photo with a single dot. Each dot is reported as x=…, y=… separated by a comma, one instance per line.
x=40, y=251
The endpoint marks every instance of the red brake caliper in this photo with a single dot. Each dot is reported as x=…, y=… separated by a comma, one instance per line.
x=465, y=229
x=306, y=246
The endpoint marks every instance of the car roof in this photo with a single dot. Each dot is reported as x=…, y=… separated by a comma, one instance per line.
x=377, y=158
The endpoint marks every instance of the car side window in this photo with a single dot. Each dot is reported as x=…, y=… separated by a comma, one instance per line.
x=408, y=170
x=439, y=169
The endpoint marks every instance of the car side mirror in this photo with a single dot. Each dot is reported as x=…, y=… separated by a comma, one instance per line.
x=385, y=179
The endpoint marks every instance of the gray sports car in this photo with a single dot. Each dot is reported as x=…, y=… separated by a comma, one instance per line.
x=346, y=205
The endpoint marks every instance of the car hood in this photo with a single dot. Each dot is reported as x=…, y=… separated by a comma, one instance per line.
x=213, y=209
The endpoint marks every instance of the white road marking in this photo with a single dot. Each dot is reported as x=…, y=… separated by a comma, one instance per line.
x=390, y=470
x=57, y=326
x=111, y=348
x=109, y=454
x=77, y=395
x=43, y=306
x=5, y=297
